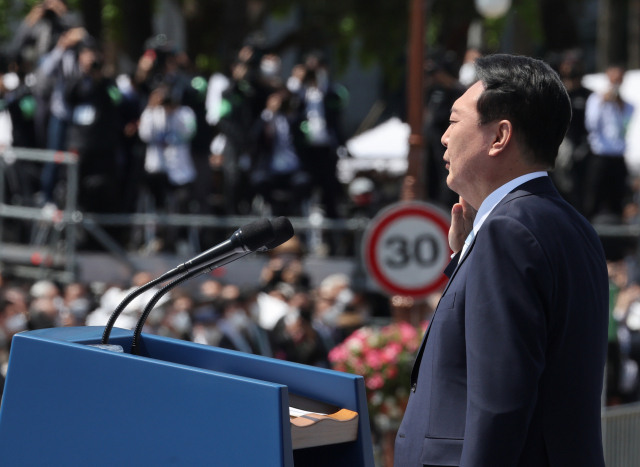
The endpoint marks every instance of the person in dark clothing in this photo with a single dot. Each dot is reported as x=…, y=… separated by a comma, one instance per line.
x=21, y=105
x=574, y=155
x=22, y=178
x=132, y=149
x=320, y=109
x=55, y=70
x=295, y=339
x=277, y=173
x=94, y=131
x=42, y=28
x=607, y=118
x=444, y=89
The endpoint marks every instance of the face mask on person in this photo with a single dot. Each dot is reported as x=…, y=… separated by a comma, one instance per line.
x=181, y=322
x=16, y=323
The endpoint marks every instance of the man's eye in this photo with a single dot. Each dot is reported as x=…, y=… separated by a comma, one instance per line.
x=451, y=122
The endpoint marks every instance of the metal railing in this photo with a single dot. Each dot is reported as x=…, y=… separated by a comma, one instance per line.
x=621, y=435
x=51, y=220
x=56, y=221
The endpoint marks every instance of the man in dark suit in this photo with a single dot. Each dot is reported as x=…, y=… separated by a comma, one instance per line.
x=510, y=370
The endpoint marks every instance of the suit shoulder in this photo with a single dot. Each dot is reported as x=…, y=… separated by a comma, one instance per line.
x=554, y=223
x=542, y=213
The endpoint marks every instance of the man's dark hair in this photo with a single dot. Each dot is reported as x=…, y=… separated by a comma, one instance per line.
x=529, y=94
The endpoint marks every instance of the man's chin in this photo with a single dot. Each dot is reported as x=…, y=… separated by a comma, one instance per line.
x=450, y=182
x=452, y=186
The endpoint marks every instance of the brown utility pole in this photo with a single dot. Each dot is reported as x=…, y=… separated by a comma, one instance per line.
x=633, y=39
x=414, y=182
x=603, y=37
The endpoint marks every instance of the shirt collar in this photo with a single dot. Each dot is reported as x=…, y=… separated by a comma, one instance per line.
x=494, y=198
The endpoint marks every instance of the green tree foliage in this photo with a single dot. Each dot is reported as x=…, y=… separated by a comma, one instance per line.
x=371, y=31
x=375, y=31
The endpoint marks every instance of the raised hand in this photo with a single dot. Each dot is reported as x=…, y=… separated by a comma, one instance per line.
x=462, y=216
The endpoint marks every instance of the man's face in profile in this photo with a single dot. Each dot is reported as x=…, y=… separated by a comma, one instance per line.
x=467, y=143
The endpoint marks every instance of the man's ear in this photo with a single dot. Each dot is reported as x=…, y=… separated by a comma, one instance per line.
x=501, y=138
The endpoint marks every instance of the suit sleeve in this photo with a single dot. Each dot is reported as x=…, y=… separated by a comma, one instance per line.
x=506, y=336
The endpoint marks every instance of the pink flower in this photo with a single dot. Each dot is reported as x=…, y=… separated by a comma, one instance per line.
x=391, y=372
x=353, y=346
x=407, y=332
x=360, y=369
x=340, y=367
x=375, y=382
x=338, y=354
x=373, y=359
x=361, y=335
x=390, y=352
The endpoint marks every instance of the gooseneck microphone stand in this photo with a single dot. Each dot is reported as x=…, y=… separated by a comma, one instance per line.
x=283, y=231
x=133, y=294
x=244, y=240
x=135, y=344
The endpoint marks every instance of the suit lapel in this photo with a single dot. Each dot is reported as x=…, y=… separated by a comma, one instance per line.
x=416, y=364
x=536, y=186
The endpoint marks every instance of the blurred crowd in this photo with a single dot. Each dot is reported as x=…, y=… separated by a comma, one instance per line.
x=166, y=138
x=283, y=317
x=623, y=358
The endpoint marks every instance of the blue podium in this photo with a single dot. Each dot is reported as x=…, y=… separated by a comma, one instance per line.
x=177, y=404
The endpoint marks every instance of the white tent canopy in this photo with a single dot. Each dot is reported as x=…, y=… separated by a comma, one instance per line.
x=389, y=140
x=383, y=148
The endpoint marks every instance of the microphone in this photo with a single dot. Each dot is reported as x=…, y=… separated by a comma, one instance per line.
x=283, y=231
x=245, y=240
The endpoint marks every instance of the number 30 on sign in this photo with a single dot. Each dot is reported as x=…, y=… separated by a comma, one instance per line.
x=406, y=248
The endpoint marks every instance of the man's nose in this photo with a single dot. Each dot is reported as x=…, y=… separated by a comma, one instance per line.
x=445, y=139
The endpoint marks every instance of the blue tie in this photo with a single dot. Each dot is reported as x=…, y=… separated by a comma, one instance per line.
x=467, y=243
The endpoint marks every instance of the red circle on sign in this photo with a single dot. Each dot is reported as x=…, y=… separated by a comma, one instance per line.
x=58, y=157
x=384, y=220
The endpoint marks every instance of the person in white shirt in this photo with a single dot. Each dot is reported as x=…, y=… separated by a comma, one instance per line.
x=607, y=118
x=167, y=128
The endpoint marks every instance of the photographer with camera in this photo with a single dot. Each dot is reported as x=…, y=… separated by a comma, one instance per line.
x=94, y=129
x=168, y=127
x=56, y=69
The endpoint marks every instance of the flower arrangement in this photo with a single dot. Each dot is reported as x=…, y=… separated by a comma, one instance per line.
x=384, y=357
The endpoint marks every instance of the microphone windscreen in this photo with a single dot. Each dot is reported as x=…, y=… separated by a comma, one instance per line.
x=257, y=234
x=283, y=231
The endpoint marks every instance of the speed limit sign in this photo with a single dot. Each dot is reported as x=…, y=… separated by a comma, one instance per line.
x=406, y=248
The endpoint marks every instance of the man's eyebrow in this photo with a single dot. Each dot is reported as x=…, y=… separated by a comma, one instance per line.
x=453, y=109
